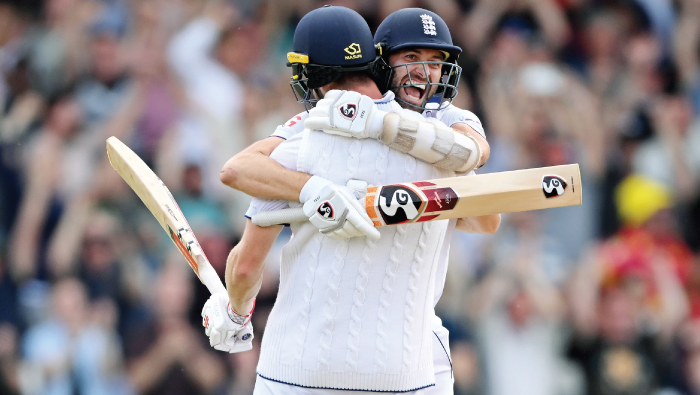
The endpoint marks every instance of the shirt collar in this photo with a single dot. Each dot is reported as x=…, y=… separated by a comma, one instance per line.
x=388, y=96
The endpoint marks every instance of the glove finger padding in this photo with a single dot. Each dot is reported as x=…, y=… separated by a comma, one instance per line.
x=332, y=95
x=346, y=113
x=319, y=116
x=358, y=218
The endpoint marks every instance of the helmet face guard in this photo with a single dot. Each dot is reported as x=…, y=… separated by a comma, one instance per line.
x=445, y=89
x=308, y=77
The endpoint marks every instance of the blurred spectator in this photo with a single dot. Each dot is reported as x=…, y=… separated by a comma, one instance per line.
x=102, y=91
x=56, y=49
x=242, y=367
x=619, y=359
x=98, y=267
x=649, y=234
x=539, y=114
x=167, y=355
x=22, y=106
x=55, y=167
x=206, y=56
x=9, y=359
x=465, y=366
x=73, y=350
x=155, y=99
x=518, y=313
x=200, y=211
x=627, y=300
x=670, y=157
x=9, y=310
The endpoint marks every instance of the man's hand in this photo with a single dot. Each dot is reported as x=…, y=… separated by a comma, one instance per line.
x=335, y=210
x=227, y=330
x=346, y=113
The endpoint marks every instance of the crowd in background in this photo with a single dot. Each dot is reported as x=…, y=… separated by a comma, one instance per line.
x=599, y=299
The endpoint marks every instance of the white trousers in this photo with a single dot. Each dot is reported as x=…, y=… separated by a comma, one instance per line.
x=442, y=362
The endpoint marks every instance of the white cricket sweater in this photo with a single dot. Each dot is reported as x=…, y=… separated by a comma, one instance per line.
x=356, y=314
x=449, y=116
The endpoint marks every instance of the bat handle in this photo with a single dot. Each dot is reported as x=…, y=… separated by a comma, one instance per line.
x=279, y=217
x=207, y=275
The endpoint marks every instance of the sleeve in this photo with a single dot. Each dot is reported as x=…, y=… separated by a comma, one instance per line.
x=453, y=115
x=258, y=205
x=286, y=154
x=294, y=126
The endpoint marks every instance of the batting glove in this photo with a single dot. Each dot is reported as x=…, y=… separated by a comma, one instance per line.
x=346, y=113
x=335, y=210
x=227, y=330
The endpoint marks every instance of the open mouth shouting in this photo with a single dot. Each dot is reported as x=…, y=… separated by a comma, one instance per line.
x=413, y=93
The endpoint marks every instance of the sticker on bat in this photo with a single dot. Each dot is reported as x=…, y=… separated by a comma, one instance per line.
x=553, y=186
x=440, y=199
x=171, y=212
x=184, y=246
x=399, y=204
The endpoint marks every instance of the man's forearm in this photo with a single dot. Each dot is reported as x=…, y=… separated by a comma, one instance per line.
x=253, y=172
x=245, y=265
x=481, y=141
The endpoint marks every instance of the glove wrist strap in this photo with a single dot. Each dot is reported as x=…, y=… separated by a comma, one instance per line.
x=241, y=320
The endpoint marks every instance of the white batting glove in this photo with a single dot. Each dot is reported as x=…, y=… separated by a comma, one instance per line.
x=346, y=113
x=227, y=331
x=335, y=210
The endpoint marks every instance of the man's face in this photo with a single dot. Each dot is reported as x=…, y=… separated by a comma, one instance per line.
x=417, y=73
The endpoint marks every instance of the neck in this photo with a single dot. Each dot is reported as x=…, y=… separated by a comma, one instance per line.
x=368, y=89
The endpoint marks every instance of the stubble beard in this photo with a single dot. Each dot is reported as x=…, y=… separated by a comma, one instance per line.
x=408, y=103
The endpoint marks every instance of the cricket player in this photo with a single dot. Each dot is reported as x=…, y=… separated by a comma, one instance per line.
x=351, y=262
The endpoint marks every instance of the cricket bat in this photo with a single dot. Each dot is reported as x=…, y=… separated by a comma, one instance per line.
x=156, y=196
x=459, y=197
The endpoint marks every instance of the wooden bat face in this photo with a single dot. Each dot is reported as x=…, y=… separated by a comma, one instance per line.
x=160, y=202
x=490, y=193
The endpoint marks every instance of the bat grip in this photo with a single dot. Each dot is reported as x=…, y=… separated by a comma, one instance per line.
x=279, y=217
x=207, y=275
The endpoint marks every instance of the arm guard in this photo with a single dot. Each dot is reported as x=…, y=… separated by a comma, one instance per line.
x=438, y=145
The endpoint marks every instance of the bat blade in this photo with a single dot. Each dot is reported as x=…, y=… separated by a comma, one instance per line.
x=160, y=202
x=460, y=197
x=490, y=193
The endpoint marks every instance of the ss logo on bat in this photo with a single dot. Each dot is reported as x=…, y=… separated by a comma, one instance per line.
x=399, y=204
x=553, y=186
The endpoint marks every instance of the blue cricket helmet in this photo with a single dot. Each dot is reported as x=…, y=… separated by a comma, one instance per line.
x=327, y=42
x=416, y=28
x=420, y=28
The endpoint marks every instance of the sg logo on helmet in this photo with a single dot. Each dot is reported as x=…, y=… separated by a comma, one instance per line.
x=354, y=51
